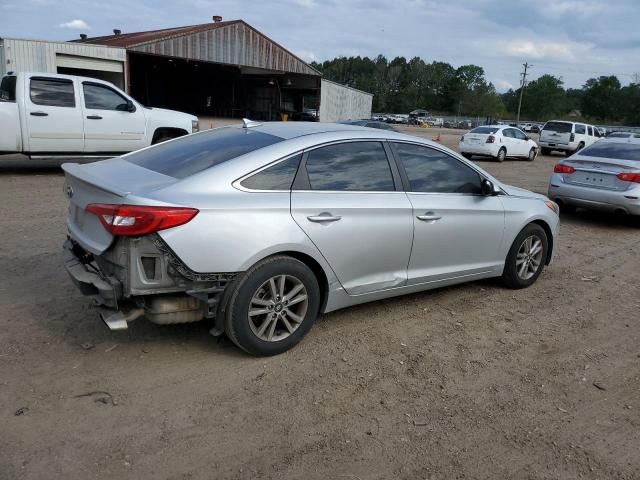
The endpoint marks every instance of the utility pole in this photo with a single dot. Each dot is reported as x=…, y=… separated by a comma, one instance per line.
x=522, y=85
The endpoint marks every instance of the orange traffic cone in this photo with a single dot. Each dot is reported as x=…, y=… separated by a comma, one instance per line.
x=437, y=139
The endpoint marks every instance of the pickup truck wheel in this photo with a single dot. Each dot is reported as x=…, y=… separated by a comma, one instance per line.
x=164, y=134
x=273, y=306
x=545, y=151
x=467, y=156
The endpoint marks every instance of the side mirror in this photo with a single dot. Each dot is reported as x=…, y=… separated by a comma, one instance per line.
x=487, y=188
x=130, y=106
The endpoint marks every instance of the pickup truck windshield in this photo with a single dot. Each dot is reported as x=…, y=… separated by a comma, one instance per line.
x=192, y=154
x=8, y=89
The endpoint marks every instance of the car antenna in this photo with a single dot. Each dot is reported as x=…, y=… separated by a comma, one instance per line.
x=246, y=123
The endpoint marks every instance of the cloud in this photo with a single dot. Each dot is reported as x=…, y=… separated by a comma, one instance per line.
x=504, y=85
x=76, y=25
x=547, y=49
x=306, y=55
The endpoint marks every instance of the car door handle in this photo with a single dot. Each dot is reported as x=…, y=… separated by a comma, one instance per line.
x=94, y=117
x=324, y=217
x=429, y=217
x=39, y=114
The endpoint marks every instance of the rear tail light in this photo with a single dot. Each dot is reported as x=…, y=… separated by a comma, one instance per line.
x=572, y=137
x=629, y=177
x=490, y=139
x=138, y=220
x=562, y=168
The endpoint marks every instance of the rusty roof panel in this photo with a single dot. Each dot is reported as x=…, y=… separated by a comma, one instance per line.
x=233, y=42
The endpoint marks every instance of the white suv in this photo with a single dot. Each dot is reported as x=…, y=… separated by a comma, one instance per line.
x=567, y=137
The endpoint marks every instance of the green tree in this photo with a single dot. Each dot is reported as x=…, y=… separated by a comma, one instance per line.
x=601, y=98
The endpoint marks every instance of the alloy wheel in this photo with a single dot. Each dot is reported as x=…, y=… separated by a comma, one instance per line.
x=278, y=307
x=529, y=257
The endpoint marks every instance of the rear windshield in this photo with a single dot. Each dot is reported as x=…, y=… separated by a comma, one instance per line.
x=485, y=130
x=8, y=89
x=559, y=127
x=186, y=156
x=621, y=151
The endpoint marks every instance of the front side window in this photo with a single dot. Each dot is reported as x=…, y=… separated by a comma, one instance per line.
x=99, y=97
x=580, y=129
x=192, y=154
x=52, y=92
x=355, y=166
x=277, y=177
x=432, y=171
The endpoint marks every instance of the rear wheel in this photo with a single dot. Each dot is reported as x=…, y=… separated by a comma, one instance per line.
x=526, y=257
x=467, y=156
x=273, y=306
x=502, y=154
x=532, y=155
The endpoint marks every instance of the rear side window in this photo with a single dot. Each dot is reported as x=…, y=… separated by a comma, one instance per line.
x=52, y=92
x=433, y=171
x=99, y=97
x=484, y=130
x=620, y=151
x=192, y=154
x=8, y=89
x=558, y=127
x=581, y=129
x=359, y=166
x=277, y=177
x=508, y=132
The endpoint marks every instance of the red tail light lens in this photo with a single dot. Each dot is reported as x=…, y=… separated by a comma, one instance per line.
x=490, y=139
x=629, y=177
x=138, y=220
x=562, y=168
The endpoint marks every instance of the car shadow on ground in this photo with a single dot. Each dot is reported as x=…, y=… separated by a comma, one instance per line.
x=590, y=218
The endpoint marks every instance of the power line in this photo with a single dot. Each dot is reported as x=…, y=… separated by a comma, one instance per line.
x=522, y=85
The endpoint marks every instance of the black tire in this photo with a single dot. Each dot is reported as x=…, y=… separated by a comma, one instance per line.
x=567, y=209
x=532, y=155
x=237, y=321
x=510, y=276
x=161, y=138
x=502, y=154
x=467, y=156
x=545, y=151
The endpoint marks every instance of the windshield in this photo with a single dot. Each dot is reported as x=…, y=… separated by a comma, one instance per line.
x=559, y=127
x=485, y=130
x=189, y=155
x=620, y=151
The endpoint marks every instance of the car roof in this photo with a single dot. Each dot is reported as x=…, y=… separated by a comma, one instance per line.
x=290, y=130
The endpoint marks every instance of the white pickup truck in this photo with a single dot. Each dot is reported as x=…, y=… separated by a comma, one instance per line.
x=43, y=113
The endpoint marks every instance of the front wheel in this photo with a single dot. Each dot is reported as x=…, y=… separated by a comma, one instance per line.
x=273, y=306
x=526, y=257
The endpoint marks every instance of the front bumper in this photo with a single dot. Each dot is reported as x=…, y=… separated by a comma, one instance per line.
x=593, y=198
x=105, y=291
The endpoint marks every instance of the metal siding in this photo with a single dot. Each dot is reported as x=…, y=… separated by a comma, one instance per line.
x=3, y=63
x=338, y=102
x=235, y=44
x=37, y=56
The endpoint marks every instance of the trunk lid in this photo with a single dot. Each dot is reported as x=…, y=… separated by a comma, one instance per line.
x=558, y=133
x=599, y=172
x=114, y=181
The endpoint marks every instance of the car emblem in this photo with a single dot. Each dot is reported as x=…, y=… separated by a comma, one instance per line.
x=597, y=166
x=68, y=190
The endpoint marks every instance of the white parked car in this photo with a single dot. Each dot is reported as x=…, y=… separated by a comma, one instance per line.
x=499, y=142
x=567, y=137
x=56, y=114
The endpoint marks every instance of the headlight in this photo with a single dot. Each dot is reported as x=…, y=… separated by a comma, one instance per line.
x=552, y=206
x=195, y=126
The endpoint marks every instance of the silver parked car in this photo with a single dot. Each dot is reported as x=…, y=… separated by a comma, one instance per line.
x=263, y=227
x=604, y=176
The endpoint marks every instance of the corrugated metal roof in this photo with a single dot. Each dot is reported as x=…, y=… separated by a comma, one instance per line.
x=232, y=42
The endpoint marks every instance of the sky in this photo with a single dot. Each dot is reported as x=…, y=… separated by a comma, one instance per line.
x=572, y=39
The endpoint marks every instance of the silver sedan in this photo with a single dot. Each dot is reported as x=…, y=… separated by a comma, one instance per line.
x=262, y=227
x=604, y=176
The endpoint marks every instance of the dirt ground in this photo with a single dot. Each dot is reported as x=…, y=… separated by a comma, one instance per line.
x=473, y=381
